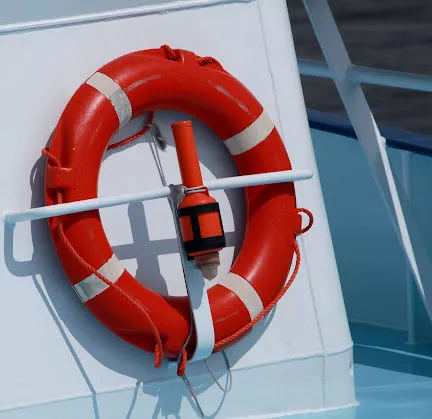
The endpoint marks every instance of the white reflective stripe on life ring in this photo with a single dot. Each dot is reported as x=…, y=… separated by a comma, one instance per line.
x=112, y=91
x=91, y=286
x=245, y=292
x=250, y=137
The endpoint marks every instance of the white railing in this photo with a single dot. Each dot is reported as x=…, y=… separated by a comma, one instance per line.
x=359, y=74
x=348, y=79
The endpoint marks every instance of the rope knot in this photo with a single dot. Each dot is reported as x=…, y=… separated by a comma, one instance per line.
x=311, y=219
x=182, y=364
x=170, y=53
x=51, y=158
x=203, y=61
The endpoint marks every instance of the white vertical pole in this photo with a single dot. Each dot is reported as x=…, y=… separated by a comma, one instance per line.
x=419, y=326
x=373, y=144
x=410, y=287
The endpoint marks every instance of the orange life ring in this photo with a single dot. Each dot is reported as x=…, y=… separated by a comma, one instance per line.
x=164, y=79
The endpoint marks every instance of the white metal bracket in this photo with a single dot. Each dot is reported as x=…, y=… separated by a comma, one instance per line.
x=373, y=144
x=196, y=289
x=12, y=217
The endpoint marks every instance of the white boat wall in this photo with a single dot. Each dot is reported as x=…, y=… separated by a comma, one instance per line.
x=377, y=283
x=57, y=360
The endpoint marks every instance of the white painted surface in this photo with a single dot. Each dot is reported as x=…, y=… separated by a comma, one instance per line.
x=24, y=15
x=170, y=397
x=319, y=257
x=52, y=348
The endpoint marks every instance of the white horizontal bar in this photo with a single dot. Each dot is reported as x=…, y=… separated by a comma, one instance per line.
x=84, y=205
x=389, y=78
x=376, y=76
x=11, y=218
x=258, y=179
x=314, y=69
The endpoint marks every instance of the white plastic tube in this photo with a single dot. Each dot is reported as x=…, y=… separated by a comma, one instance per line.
x=11, y=218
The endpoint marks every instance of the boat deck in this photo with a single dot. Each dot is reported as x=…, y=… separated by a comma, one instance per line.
x=393, y=381
x=393, y=378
